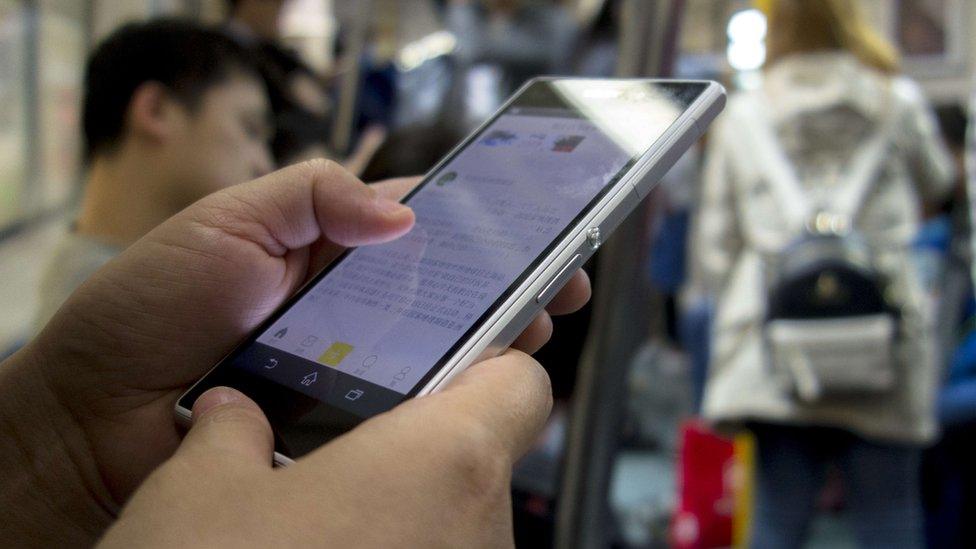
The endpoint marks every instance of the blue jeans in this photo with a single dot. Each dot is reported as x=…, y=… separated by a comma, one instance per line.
x=881, y=486
x=694, y=329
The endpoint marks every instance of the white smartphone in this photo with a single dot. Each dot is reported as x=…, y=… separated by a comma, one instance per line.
x=502, y=223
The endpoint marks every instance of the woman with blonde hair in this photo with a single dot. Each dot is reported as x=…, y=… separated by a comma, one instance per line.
x=821, y=173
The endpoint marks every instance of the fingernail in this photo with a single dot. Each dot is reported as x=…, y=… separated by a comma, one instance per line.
x=389, y=207
x=215, y=397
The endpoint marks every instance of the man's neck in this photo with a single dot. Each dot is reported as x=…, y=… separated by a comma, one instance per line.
x=124, y=199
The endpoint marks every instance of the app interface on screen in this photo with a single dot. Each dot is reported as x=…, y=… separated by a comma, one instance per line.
x=388, y=313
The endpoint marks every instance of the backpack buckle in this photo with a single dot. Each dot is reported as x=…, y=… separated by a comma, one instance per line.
x=829, y=224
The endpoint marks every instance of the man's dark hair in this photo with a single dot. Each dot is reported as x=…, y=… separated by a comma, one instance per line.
x=179, y=54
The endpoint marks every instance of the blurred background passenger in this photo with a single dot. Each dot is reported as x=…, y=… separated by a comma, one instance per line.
x=495, y=46
x=300, y=97
x=949, y=475
x=172, y=112
x=503, y=43
x=255, y=21
x=597, y=48
x=841, y=124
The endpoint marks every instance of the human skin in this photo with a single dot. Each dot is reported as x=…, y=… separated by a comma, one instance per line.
x=86, y=408
x=171, y=155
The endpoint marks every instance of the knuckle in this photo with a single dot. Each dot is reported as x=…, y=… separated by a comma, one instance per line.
x=223, y=210
x=535, y=385
x=217, y=213
x=543, y=384
x=478, y=460
x=320, y=168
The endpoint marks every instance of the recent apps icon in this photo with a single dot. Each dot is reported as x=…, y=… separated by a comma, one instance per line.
x=335, y=354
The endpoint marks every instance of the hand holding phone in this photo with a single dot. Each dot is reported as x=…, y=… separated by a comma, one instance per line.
x=502, y=223
x=99, y=383
x=434, y=472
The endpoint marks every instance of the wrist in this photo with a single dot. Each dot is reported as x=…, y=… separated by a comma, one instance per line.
x=51, y=491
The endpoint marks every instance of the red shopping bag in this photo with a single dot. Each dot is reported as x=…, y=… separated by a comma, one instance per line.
x=712, y=486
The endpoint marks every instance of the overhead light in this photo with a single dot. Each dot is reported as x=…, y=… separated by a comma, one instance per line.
x=420, y=51
x=747, y=40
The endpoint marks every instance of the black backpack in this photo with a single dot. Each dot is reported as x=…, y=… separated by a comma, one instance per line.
x=829, y=327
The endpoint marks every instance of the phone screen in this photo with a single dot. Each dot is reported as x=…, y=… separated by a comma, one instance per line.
x=376, y=325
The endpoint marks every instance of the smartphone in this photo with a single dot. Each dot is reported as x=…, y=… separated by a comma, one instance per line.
x=502, y=222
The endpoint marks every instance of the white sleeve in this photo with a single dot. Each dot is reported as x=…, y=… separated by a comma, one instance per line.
x=929, y=162
x=716, y=238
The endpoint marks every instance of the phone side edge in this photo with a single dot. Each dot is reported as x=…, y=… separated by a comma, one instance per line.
x=512, y=318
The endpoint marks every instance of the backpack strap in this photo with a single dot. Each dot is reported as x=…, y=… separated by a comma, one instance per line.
x=863, y=170
x=778, y=172
x=774, y=166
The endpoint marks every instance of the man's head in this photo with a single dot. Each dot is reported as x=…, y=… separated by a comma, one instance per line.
x=184, y=100
x=260, y=16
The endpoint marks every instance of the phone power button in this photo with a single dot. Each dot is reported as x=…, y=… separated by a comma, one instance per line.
x=593, y=237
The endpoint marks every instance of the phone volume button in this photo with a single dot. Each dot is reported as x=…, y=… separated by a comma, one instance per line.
x=562, y=276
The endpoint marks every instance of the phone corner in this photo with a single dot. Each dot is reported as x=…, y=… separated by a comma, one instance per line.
x=281, y=460
x=183, y=416
x=717, y=87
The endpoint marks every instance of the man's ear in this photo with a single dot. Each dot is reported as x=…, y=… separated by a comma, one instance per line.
x=153, y=113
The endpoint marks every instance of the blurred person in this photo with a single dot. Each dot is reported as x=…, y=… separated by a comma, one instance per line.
x=256, y=25
x=525, y=38
x=597, y=49
x=840, y=122
x=503, y=43
x=255, y=20
x=300, y=98
x=172, y=112
x=91, y=450
x=950, y=477
x=948, y=230
x=969, y=158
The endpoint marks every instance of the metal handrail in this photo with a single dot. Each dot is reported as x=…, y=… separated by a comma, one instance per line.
x=622, y=311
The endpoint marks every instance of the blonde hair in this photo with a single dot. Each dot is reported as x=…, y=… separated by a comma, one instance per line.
x=798, y=26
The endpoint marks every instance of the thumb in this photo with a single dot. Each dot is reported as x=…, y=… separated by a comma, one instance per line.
x=300, y=204
x=229, y=425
